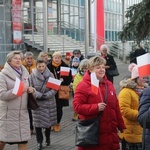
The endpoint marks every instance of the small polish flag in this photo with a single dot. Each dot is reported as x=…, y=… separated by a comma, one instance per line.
x=53, y=83
x=18, y=88
x=143, y=63
x=94, y=83
x=64, y=71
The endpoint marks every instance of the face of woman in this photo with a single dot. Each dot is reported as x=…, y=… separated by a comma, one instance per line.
x=99, y=71
x=57, y=59
x=41, y=67
x=16, y=61
x=141, y=81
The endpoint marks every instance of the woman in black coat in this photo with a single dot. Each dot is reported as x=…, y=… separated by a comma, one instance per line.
x=54, y=66
x=110, y=62
x=144, y=109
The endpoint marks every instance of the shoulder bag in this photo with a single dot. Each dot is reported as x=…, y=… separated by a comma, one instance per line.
x=113, y=72
x=87, y=131
x=64, y=90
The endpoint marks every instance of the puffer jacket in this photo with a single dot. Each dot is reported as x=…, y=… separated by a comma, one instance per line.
x=129, y=103
x=14, y=117
x=144, y=109
x=85, y=104
x=45, y=116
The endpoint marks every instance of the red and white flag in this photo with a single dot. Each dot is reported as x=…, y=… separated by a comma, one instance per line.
x=143, y=63
x=64, y=71
x=53, y=83
x=94, y=83
x=18, y=88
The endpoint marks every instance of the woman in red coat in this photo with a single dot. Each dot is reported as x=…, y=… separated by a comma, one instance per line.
x=88, y=105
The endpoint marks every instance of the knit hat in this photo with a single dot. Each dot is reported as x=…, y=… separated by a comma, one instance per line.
x=133, y=68
x=76, y=59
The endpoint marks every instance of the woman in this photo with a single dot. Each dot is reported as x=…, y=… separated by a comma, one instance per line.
x=44, y=55
x=14, y=117
x=128, y=97
x=88, y=105
x=45, y=116
x=54, y=66
x=144, y=113
x=110, y=62
x=78, y=78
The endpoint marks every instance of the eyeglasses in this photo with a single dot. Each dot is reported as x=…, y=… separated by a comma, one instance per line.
x=76, y=53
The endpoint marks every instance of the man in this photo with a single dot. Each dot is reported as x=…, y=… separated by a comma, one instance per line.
x=76, y=53
x=30, y=64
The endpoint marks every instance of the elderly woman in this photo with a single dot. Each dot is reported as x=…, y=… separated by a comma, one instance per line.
x=55, y=66
x=88, y=105
x=44, y=55
x=14, y=117
x=45, y=116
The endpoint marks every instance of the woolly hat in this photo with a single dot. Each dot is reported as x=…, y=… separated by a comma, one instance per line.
x=133, y=68
x=76, y=59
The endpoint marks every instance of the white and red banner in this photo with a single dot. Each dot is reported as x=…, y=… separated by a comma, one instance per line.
x=17, y=21
x=53, y=83
x=143, y=63
x=94, y=83
x=64, y=71
x=18, y=88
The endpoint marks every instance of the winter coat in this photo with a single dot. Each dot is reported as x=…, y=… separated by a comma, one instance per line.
x=78, y=78
x=144, y=107
x=45, y=116
x=85, y=104
x=66, y=81
x=110, y=62
x=129, y=103
x=14, y=117
x=29, y=68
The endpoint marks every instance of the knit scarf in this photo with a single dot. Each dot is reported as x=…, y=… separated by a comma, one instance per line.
x=56, y=65
x=139, y=89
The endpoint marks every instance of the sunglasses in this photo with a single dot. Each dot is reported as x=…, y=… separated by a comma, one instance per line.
x=76, y=53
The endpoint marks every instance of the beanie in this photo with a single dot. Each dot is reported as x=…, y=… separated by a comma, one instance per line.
x=133, y=68
x=76, y=59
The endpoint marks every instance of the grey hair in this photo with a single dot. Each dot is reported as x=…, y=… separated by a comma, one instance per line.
x=28, y=54
x=11, y=54
x=83, y=64
x=103, y=47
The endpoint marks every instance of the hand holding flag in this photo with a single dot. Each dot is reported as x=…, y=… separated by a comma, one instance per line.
x=94, y=83
x=18, y=88
x=53, y=83
x=64, y=71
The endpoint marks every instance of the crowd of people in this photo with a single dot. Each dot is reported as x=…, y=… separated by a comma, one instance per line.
x=120, y=120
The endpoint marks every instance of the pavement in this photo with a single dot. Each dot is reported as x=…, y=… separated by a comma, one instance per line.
x=65, y=139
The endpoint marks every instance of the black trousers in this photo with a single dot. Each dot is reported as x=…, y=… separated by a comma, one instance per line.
x=59, y=113
x=39, y=135
x=31, y=119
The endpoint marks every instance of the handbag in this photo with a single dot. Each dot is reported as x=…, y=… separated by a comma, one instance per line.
x=32, y=103
x=113, y=72
x=64, y=92
x=87, y=131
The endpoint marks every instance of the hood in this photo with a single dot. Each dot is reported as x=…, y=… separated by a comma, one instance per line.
x=128, y=83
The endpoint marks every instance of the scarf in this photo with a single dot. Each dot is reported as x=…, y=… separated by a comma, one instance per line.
x=139, y=90
x=56, y=65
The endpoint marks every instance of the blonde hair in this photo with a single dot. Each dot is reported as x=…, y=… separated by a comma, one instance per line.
x=95, y=61
x=83, y=64
x=41, y=54
x=11, y=54
x=57, y=54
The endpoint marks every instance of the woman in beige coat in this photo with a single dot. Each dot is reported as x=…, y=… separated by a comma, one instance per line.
x=14, y=118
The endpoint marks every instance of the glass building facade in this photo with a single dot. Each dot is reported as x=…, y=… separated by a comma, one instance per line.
x=114, y=17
